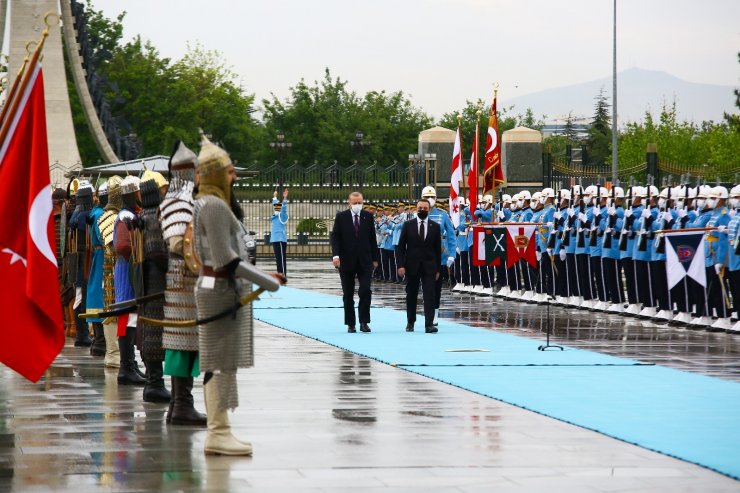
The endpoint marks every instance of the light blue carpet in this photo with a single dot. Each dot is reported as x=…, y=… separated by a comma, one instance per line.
x=684, y=415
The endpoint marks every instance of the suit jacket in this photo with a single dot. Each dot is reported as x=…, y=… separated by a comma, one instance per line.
x=350, y=247
x=412, y=253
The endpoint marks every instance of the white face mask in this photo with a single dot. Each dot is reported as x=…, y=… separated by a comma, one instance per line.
x=512, y=206
x=356, y=208
x=700, y=203
x=679, y=203
x=543, y=199
x=711, y=203
x=661, y=202
x=734, y=203
x=520, y=203
x=431, y=201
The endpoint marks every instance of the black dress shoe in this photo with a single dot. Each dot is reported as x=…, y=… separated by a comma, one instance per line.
x=364, y=328
x=409, y=327
x=351, y=329
x=430, y=329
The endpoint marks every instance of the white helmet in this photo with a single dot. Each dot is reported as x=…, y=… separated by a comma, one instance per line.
x=548, y=193
x=535, y=199
x=664, y=193
x=618, y=192
x=652, y=191
x=506, y=198
x=564, y=194
x=604, y=192
x=693, y=192
x=577, y=190
x=515, y=197
x=488, y=199
x=590, y=190
x=735, y=192
x=703, y=192
x=718, y=192
x=638, y=191
x=525, y=195
x=678, y=192
x=428, y=192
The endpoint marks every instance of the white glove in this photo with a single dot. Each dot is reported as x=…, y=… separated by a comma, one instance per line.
x=732, y=212
x=611, y=210
x=549, y=252
x=582, y=217
x=597, y=210
x=717, y=268
x=450, y=261
x=500, y=214
x=563, y=255
x=457, y=250
x=628, y=213
x=538, y=255
x=571, y=212
x=667, y=216
x=646, y=213
x=550, y=224
x=607, y=231
x=721, y=229
x=682, y=213
x=557, y=215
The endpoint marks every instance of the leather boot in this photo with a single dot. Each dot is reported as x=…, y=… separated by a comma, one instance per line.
x=219, y=440
x=126, y=373
x=98, y=345
x=173, y=386
x=154, y=389
x=183, y=412
x=112, y=354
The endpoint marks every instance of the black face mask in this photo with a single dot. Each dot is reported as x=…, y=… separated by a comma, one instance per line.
x=422, y=214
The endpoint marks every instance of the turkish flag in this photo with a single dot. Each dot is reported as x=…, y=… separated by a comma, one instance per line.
x=493, y=174
x=30, y=302
x=456, y=176
x=473, y=174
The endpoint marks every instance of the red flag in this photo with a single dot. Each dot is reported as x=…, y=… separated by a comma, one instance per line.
x=493, y=173
x=479, y=246
x=473, y=173
x=29, y=293
x=455, y=178
x=520, y=244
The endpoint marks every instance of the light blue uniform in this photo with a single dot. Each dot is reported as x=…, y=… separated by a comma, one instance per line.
x=733, y=230
x=644, y=225
x=447, y=230
x=278, y=223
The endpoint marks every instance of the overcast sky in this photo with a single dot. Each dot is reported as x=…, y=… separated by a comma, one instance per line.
x=442, y=52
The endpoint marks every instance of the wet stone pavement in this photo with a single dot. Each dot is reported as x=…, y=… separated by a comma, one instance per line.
x=325, y=420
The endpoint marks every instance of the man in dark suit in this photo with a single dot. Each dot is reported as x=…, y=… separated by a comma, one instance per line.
x=418, y=252
x=355, y=253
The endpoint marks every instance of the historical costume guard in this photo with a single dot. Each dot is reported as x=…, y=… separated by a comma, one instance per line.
x=153, y=186
x=226, y=344
x=180, y=343
x=79, y=240
x=95, y=277
x=105, y=228
x=128, y=252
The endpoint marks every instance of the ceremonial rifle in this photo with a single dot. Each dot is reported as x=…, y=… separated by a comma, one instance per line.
x=627, y=221
x=660, y=244
x=581, y=243
x=645, y=222
x=553, y=233
x=612, y=221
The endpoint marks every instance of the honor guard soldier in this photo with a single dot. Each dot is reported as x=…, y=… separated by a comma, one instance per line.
x=680, y=294
x=448, y=242
x=699, y=300
x=597, y=217
x=610, y=253
x=544, y=230
x=627, y=247
x=666, y=219
x=733, y=253
x=642, y=252
x=715, y=250
x=583, y=255
x=557, y=249
x=278, y=231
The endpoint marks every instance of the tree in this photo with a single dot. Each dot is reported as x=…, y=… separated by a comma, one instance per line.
x=733, y=120
x=599, y=134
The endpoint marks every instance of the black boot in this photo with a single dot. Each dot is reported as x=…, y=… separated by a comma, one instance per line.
x=98, y=345
x=126, y=373
x=183, y=411
x=154, y=389
x=82, y=339
x=173, y=386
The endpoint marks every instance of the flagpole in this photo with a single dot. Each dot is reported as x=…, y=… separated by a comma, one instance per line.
x=12, y=105
x=12, y=90
x=615, y=165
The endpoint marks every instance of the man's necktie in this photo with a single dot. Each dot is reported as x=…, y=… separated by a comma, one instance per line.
x=421, y=231
x=357, y=225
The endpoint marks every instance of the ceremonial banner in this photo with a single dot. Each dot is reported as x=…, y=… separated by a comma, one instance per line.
x=473, y=173
x=685, y=256
x=29, y=292
x=455, y=178
x=520, y=244
x=489, y=245
x=493, y=173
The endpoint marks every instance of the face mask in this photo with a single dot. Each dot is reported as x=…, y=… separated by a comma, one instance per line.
x=661, y=202
x=431, y=201
x=543, y=199
x=356, y=208
x=520, y=203
x=533, y=204
x=711, y=203
x=679, y=203
x=423, y=214
x=512, y=206
x=734, y=203
x=700, y=203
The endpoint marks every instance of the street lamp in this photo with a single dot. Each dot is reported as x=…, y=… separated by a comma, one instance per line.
x=280, y=145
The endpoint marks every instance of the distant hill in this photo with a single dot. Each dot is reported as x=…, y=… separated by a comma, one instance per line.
x=637, y=91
